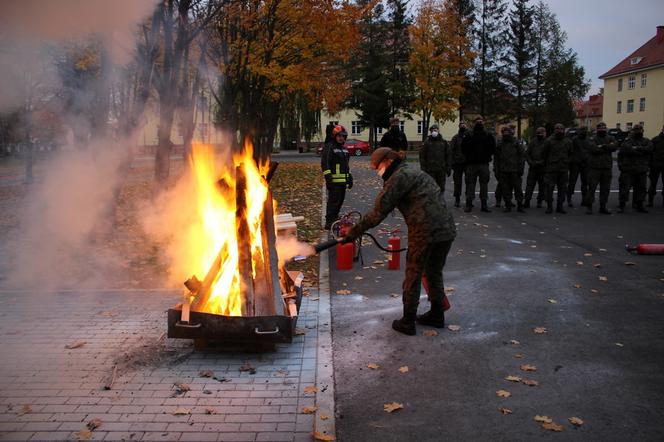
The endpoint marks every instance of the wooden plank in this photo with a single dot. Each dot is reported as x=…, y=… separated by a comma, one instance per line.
x=270, y=290
x=202, y=295
x=245, y=273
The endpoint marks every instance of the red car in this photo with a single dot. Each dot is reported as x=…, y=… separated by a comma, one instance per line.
x=354, y=147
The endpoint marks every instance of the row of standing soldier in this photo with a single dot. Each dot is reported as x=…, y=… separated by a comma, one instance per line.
x=556, y=162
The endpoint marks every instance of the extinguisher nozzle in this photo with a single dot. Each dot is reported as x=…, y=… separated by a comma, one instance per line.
x=326, y=245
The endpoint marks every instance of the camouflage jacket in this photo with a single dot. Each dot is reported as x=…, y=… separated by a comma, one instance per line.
x=580, y=148
x=634, y=155
x=418, y=198
x=435, y=155
x=657, y=159
x=509, y=157
x=535, y=153
x=457, y=155
x=600, y=154
x=557, y=153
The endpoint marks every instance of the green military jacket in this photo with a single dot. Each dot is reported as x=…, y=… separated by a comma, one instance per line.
x=510, y=157
x=418, y=198
x=580, y=149
x=600, y=153
x=535, y=153
x=634, y=155
x=557, y=154
x=436, y=155
x=457, y=155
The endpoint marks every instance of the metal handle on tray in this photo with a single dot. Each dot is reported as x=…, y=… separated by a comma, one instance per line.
x=271, y=332
x=183, y=325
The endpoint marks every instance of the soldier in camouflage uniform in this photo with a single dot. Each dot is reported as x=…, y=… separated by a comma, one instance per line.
x=656, y=167
x=557, y=150
x=431, y=231
x=600, y=163
x=508, y=162
x=535, y=168
x=578, y=166
x=478, y=148
x=458, y=162
x=436, y=157
x=633, y=162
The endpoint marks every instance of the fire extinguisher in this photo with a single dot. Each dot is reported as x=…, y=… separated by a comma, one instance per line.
x=646, y=249
x=394, y=244
x=446, y=301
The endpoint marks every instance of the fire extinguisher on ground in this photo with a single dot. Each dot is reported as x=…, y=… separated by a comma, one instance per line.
x=646, y=249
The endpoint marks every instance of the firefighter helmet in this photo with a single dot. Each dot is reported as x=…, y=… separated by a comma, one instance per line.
x=339, y=130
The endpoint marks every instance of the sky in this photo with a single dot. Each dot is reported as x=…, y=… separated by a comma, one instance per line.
x=604, y=32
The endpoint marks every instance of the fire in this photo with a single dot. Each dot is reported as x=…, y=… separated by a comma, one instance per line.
x=214, y=234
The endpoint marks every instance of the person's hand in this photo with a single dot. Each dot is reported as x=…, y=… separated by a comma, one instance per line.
x=328, y=181
x=349, y=183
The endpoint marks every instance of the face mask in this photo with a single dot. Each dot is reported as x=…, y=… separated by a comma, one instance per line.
x=479, y=127
x=462, y=130
x=434, y=133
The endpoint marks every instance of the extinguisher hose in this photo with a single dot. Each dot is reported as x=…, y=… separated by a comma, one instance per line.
x=384, y=249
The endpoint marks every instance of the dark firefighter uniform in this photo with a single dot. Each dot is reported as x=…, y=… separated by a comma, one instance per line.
x=478, y=149
x=334, y=164
x=656, y=168
x=578, y=166
x=557, y=150
x=536, y=171
x=600, y=168
x=633, y=162
x=458, y=164
x=431, y=231
x=435, y=159
x=508, y=163
x=395, y=139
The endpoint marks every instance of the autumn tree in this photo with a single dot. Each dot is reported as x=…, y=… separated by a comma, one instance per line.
x=440, y=56
x=542, y=19
x=465, y=12
x=400, y=85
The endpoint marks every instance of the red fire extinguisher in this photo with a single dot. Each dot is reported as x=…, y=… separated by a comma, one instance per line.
x=345, y=254
x=646, y=249
x=394, y=243
x=446, y=301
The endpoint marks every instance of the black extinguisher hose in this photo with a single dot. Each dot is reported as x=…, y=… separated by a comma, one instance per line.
x=384, y=249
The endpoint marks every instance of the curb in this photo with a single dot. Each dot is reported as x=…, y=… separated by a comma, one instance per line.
x=324, y=422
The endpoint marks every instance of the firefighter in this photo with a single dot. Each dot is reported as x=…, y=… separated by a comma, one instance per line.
x=431, y=232
x=656, y=167
x=435, y=157
x=508, y=163
x=535, y=159
x=633, y=162
x=334, y=164
x=557, y=150
x=578, y=166
x=600, y=163
x=458, y=162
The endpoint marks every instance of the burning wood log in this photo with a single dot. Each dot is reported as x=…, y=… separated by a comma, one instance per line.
x=268, y=296
x=201, y=290
x=245, y=271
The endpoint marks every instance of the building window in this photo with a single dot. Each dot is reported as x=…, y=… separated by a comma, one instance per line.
x=644, y=80
x=355, y=128
x=631, y=83
x=642, y=105
x=643, y=125
x=630, y=106
x=629, y=126
x=620, y=82
x=618, y=126
x=619, y=108
x=420, y=127
x=635, y=60
x=402, y=126
x=379, y=130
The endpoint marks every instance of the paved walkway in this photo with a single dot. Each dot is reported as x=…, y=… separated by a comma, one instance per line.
x=49, y=392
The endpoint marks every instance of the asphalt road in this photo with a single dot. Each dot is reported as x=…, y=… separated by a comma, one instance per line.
x=601, y=358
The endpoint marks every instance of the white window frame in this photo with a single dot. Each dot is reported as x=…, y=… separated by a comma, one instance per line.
x=631, y=82
x=355, y=127
x=629, y=126
x=420, y=127
x=642, y=104
x=380, y=130
x=644, y=80
x=630, y=106
x=402, y=126
x=619, y=107
x=620, y=84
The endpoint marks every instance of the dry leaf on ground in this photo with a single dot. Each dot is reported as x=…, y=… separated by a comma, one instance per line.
x=597, y=265
x=392, y=406
x=210, y=410
x=324, y=417
x=540, y=330
x=247, y=367
x=449, y=290
x=206, y=373
x=518, y=356
x=93, y=424
x=575, y=421
x=310, y=409
x=454, y=328
x=25, y=410
x=545, y=419
x=528, y=367
x=181, y=388
x=588, y=254
x=505, y=410
x=503, y=393
x=343, y=292
x=603, y=278
x=324, y=437
x=373, y=366
x=515, y=342
x=552, y=301
x=619, y=344
x=577, y=286
x=430, y=333
x=310, y=389
x=513, y=378
x=181, y=411
x=594, y=291
x=300, y=331
x=73, y=345
x=579, y=263
x=530, y=382
x=630, y=263
x=83, y=434
x=403, y=369
x=552, y=426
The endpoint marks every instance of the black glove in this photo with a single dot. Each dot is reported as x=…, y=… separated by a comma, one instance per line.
x=328, y=181
x=351, y=235
x=349, y=181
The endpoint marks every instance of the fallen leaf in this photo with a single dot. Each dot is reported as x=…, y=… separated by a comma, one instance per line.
x=403, y=369
x=551, y=426
x=530, y=382
x=181, y=411
x=503, y=393
x=515, y=342
x=552, y=301
x=602, y=250
x=575, y=421
x=505, y=410
x=518, y=356
x=343, y=292
x=83, y=434
x=310, y=389
x=513, y=378
x=93, y=424
x=73, y=345
x=25, y=410
x=594, y=291
x=206, y=373
x=630, y=263
x=577, y=286
x=324, y=437
x=373, y=366
x=392, y=406
x=430, y=333
x=209, y=410
x=454, y=328
x=359, y=278
x=300, y=331
x=603, y=278
x=619, y=344
x=579, y=263
x=449, y=290
x=597, y=265
x=324, y=417
x=540, y=330
x=395, y=295
x=248, y=368
x=528, y=367
x=544, y=419
x=588, y=254
x=181, y=388
x=310, y=409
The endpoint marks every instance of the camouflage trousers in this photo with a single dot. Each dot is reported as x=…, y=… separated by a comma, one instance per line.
x=601, y=177
x=510, y=182
x=476, y=172
x=428, y=259
x=654, y=175
x=458, y=178
x=577, y=171
x=535, y=176
x=439, y=177
x=553, y=180
x=629, y=180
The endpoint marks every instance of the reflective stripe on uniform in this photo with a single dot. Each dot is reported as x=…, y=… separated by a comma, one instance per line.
x=327, y=172
x=338, y=169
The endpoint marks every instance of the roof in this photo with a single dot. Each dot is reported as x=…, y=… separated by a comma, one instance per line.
x=590, y=108
x=647, y=56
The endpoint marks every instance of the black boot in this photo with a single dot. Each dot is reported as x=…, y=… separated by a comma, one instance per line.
x=406, y=324
x=589, y=209
x=469, y=205
x=433, y=318
x=559, y=208
x=520, y=207
x=485, y=207
x=549, y=208
x=508, y=207
x=457, y=201
x=604, y=210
